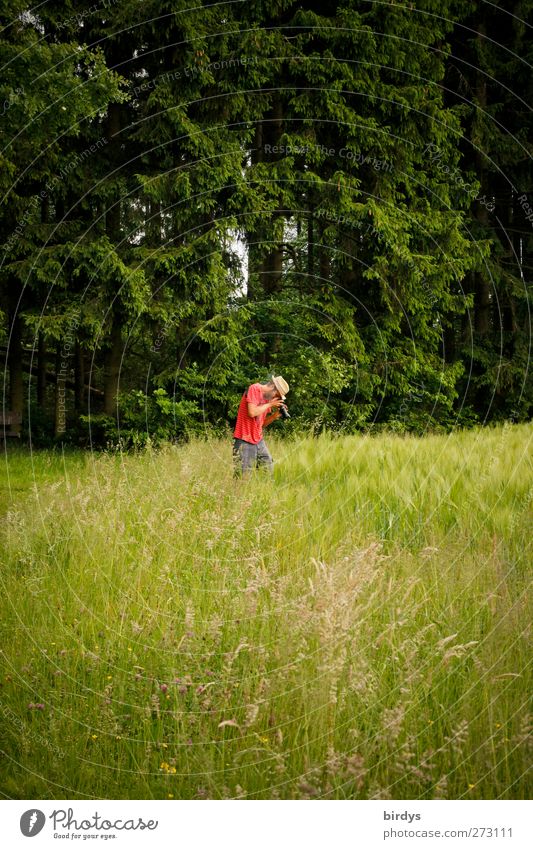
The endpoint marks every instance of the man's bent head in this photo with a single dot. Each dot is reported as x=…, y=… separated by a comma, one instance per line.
x=280, y=386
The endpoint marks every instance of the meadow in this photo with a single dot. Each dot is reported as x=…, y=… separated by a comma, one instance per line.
x=359, y=626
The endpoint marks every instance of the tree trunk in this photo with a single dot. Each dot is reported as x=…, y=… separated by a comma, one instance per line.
x=112, y=218
x=325, y=265
x=41, y=370
x=16, y=388
x=482, y=296
x=41, y=342
x=254, y=254
x=310, y=247
x=449, y=351
x=60, y=415
x=272, y=268
x=113, y=354
x=79, y=380
x=482, y=304
x=324, y=258
x=265, y=261
x=154, y=224
x=112, y=361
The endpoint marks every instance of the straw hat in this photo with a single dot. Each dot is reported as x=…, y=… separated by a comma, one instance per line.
x=281, y=385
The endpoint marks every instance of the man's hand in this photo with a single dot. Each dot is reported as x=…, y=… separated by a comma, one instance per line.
x=271, y=418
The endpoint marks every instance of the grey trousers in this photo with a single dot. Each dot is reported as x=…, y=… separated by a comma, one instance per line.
x=247, y=457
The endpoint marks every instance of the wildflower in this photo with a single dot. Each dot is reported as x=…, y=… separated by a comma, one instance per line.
x=471, y=786
x=167, y=768
x=163, y=688
x=94, y=736
x=170, y=796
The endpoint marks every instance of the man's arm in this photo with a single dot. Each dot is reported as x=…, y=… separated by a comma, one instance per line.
x=256, y=409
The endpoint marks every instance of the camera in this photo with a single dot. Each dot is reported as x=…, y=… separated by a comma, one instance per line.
x=284, y=411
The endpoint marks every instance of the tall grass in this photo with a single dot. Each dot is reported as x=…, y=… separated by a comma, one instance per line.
x=357, y=627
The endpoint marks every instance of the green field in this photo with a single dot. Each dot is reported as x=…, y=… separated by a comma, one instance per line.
x=357, y=627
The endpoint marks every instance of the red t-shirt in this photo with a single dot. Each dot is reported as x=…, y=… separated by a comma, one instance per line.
x=247, y=428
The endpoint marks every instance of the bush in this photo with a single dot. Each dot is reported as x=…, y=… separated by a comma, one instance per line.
x=145, y=420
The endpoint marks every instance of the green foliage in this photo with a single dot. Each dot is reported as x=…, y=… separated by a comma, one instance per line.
x=144, y=422
x=273, y=187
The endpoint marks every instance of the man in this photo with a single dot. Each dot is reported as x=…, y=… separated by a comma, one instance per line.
x=249, y=449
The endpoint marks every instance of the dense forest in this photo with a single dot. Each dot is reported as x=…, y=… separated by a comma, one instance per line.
x=196, y=196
